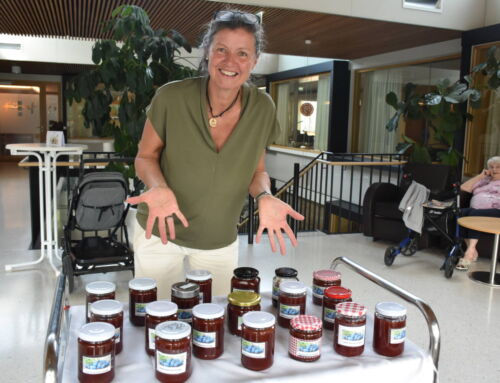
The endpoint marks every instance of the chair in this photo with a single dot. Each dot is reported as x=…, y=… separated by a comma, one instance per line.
x=381, y=216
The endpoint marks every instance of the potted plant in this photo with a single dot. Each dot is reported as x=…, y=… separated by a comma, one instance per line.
x=129, y=67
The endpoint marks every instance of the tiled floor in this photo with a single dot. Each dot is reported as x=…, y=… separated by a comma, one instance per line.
x=468, y=313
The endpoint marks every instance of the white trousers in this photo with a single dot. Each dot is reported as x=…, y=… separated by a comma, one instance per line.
x=167, y=264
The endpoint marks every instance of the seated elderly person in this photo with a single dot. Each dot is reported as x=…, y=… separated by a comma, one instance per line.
x=485, y=202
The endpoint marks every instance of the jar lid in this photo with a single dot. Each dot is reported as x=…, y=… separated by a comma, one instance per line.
x=246, y=272
x=172, y=330
x=258, y=319
x=286, y=272
x=100, y=287
x=306, y=323
x=185, y=290
x=351, y=309
x=327, y=275
x=161, y=308
x=208, y=311
x=106, y=307
x=390, y=309
x=337, y=292
x=198, y=275
x=244, y=298
x=142, y=284
x=96, y=332
x=293, y=287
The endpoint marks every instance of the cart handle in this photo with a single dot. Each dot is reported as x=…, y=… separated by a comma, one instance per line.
x=53, y=343
x=427, y=312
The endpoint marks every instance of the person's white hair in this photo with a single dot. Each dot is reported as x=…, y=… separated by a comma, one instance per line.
x=493, y=160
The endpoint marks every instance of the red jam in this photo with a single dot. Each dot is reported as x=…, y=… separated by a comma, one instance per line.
x=282, y=274
x=142, y=291
x=208, y=331
x=109, y=311
x=202, y=278
x=96, y=353
x=173, y=352
x=97, y=291
x=245, y=279
x=333, y=296
x=185, y=295
x=292, y=302
x=349, y=329
x=321, y=280
x=389, y=330
x=240, y=302
x=157, y=312
x=304, y=343
x=257, y=340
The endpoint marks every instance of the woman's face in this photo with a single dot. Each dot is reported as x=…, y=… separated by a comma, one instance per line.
x=494, y=169
x=231, y=58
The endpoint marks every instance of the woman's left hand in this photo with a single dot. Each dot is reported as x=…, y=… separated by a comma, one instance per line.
x=272, y=216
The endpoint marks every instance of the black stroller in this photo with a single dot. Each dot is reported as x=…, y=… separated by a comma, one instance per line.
x=96, y=217
x=441, y=217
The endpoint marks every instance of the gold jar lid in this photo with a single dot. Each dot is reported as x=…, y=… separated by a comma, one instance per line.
x=244, y=298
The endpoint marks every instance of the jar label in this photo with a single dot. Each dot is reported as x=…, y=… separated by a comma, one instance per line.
x=397, y=335
x=289, y=312
x=235, y=289
x=96, y=365
x=253, y=350
x=240, y=321
x=304, y=348
x=171, y=364
x=318, y=291
x=329, y=315
x=152, y=338
x=276, y=292
x=117, y=335
x=140, y=309
x=88, y=310
x=351, y=336
x=185, y=315
x=201, y=296
x=204, y=339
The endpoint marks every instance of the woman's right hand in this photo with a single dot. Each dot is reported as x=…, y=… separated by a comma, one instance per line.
x=162, y=205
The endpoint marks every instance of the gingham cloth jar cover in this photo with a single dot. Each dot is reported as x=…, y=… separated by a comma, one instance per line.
x=306, y=323
x=351, y=309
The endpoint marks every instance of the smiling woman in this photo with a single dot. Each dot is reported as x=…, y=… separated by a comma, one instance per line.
x=201, y=153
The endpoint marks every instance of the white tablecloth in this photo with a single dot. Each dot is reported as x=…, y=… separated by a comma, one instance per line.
x=134, y=365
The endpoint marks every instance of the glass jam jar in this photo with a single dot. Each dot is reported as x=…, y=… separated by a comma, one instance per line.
x=97, y=291
x=245, y=279
x=292, y=302
x=141, y=292
x=333, y=296
x=321, y=280
x=208, y=331
x=349, y=329
x=96, y=353
x=173, y=352
x=202, y=278
x=157, y=312
x=304, y=343
x=109, y=311
x=257, y=340
x=186, y=295
x=389, y=331
x=282, y=274
x=240, y=302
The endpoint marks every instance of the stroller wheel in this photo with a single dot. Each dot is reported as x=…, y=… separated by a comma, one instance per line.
x=68, y=271
x=390, y=255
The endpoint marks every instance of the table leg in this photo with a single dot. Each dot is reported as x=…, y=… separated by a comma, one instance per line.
x=489, y=278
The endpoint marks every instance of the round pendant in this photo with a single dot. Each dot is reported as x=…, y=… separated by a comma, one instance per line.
x=212, y=122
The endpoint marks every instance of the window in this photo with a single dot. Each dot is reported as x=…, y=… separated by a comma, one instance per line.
x=371, y=112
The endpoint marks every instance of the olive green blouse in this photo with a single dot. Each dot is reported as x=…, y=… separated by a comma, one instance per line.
x=210, y=186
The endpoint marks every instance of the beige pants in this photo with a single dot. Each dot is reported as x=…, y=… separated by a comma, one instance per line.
x=167, y=263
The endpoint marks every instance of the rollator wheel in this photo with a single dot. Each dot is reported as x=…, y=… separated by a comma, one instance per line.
x=67, y=267
x=451, y=261
x=390, y=255
x=410, y=249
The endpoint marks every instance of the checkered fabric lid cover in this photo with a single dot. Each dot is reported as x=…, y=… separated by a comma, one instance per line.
x=351, y=309
x=327, y=275
x=306, y=323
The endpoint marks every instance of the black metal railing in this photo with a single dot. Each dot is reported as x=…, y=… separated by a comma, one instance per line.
x=329, y=191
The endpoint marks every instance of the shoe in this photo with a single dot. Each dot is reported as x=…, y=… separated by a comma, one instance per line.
x=463, y=264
